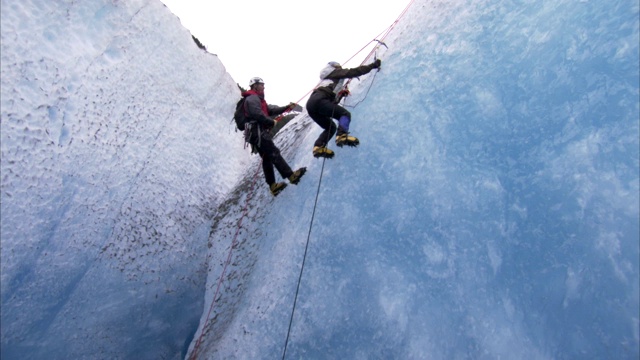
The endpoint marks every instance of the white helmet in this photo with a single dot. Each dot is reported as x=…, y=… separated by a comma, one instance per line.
x=334, y=64
x=255, y=80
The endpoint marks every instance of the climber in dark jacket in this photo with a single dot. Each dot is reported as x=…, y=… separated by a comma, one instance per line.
x=258, y=134
x=323, y=106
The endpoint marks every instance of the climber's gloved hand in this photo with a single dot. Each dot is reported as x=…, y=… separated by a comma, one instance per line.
x=343, y=93
x=291, y=106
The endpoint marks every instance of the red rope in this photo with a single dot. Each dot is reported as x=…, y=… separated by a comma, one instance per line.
x=194, y=354
x=380, y=41
x=380, y=38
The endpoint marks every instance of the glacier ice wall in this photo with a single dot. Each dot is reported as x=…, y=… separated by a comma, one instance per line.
x=116, y=151
x=491, y=210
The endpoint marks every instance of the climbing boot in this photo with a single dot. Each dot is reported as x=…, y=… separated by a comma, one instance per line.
x=345, y=139
x=295, y=177
x=276, y=188
x=322, y=151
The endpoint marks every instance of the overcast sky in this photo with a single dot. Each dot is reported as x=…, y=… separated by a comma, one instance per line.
x=285, y=42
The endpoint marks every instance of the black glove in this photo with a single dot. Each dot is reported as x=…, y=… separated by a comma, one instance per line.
x=376, y=64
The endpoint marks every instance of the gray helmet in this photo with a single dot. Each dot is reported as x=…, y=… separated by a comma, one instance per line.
x=255, y=80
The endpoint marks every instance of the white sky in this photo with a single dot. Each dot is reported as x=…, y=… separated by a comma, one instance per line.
x=285, y=42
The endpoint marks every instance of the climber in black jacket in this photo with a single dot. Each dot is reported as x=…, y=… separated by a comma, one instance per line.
x=323, y=106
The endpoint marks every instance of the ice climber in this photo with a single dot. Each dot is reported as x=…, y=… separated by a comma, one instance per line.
x=323, y=106
x=258, y=134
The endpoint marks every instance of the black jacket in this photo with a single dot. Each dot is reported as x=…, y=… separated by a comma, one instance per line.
x=338, y=74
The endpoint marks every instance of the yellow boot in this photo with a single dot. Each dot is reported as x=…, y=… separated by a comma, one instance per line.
x=295, y=177
x=322, y=151
x=345, y=139
x=276, y=188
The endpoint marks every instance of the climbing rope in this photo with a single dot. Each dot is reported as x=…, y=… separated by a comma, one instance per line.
x=380, y=40
x=245, y=211
x=365, y=94
x=306, y=247
x=304, y=258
